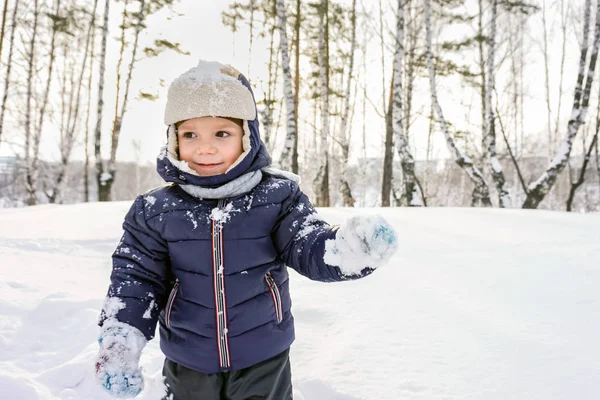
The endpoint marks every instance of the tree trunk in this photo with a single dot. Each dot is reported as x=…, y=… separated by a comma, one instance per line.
x=481, y=194
x=482, y=93
x=33, y=175
x=4, y=12
x=322, y=179
x=86, y=173
x=406, y=159
x=586, y=161
x=31, y=198
x=9, y=63
x=100, y=174
x=388, y=150
x=540, y=188
x=267, y=120
x=104, y=191
x=297, y=23
x=412, y=37
x=252, y=6
x=118, y=121
x=547, y=80
x=345, y=133
x=290, y=138
x=504, y=200
x=563, y=27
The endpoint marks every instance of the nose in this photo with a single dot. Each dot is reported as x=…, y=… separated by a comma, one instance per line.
x=206, y=147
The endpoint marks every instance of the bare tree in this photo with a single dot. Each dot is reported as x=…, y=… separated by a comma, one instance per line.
x=9, y=64
x=86, y=173
x=483, y=95
x=563, y=29
x=297, y=24
x=496, y=168
x=586, y=160
x=69, y=139
x=291, y=134
x=106, y=179
x=406, y=159
x=546, y=54
x=59, y=24
x=321, y=183
x=481, y=194
x=2, y=29
x=100, y=174
x=345, y=133
x=388, y=150
x=31, y=73
x=540, y=188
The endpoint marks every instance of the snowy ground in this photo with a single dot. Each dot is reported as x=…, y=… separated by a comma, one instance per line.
x=477, y=304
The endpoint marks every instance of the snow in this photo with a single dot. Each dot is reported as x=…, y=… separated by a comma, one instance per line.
x=476, y=304
x=206, y=72
x=105, y=177
x=221, y=215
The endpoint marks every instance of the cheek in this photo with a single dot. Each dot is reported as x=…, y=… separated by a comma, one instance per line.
x=185, y=151
x=234, y=151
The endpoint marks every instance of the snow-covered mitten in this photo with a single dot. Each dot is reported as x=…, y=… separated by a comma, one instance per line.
x=117, y=362
x=363, y=241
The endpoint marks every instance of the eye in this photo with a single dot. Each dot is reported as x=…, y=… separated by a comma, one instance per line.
x=188, y=135
x=222, y=134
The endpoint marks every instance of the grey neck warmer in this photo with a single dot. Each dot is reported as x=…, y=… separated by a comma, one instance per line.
x=238, y=186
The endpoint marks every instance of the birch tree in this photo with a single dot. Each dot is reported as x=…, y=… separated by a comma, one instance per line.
x=100, y=177
x=297, y=23
x=86, y=174
x=11, y=46
x=29, y=110
x=59, y=25
x=344, y=135
x=3, y=28
x=321, y=182
x=291, y=134
x=406, y=159
x=481, y=194
x=496, y=168
x=584, y=166
x=540, y=188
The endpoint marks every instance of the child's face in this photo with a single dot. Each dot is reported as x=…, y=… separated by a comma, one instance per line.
x=210, y=145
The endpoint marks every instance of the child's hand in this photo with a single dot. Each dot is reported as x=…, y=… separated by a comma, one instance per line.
x=117, y=362
x=364, y=241
x=371, y=235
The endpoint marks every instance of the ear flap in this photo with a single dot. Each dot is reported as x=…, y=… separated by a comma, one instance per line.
x=246, y=146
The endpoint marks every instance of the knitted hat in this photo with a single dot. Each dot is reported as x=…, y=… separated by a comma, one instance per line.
x=210, y=89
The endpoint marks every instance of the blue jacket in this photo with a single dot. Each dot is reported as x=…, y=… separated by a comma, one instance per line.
x=212, y=273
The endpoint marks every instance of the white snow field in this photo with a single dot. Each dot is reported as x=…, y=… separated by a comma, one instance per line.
x=476, y=304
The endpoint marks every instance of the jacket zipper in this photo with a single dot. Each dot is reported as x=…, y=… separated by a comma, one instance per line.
x=171, y=300
x=219, y=287
x=276, y=296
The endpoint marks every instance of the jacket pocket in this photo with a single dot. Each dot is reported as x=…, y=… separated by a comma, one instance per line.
x=276, y=296
x=170, y=302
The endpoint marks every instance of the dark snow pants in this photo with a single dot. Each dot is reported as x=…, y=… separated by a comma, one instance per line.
x=267, y=380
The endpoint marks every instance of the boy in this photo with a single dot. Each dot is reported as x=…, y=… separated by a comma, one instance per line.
x=206, y=256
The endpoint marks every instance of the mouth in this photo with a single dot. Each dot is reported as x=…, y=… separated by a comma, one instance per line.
x=208, y=166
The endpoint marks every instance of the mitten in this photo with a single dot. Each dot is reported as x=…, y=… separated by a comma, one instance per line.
x=363, y=241
x=117, y=362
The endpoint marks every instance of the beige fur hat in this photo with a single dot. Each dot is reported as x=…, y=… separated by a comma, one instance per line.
x=210, y=89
